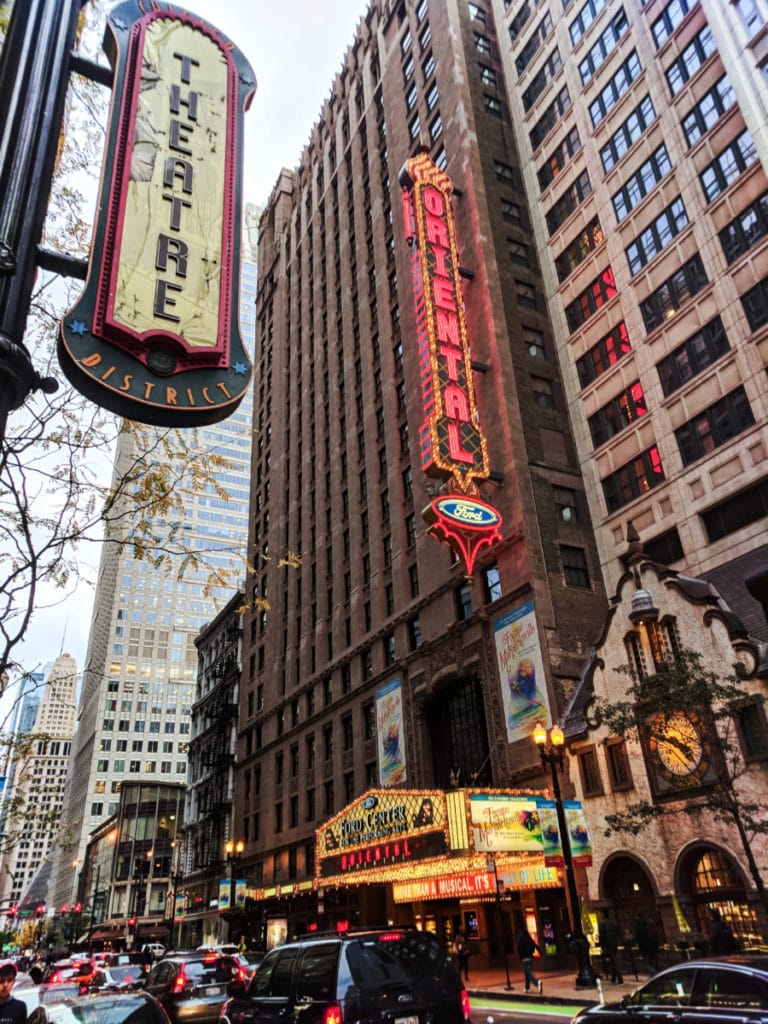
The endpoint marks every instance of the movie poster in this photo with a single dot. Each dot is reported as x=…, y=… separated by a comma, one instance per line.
x=391, y=734
x=521, y=669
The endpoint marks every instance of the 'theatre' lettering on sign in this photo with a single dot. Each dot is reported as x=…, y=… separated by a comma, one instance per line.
x=155, y=336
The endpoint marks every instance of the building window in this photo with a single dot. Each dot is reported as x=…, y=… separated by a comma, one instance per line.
x=543, y=392
x=585, y=305
x=410, y=97
x=713, y=427
x=746, y=230
x=627, y=134
x=520, y=253
x=463, y=602
x=432, y=96
x=428, y=66
x=534, y=342
x=753, y=731
x=666, y=548
x=589, y=769
x=565, y=504
x=612, y=92
x=694, y=355
x=736, y=512
x=690, y=60
x=532, y=46
x=727, y=166
x=542, y=78
x=511, y=211
x=414, y=632
x=604, y=354
x=657, y=235
x=526, y=294
x=575, y=568
x=328, y=741
x=749, y=14
x=603, y=47
x=622, y=410
x=550, y=118
x=435, y=128
x=663, y=303
x=641, y=183
x=388, y=644
x=569, y=201
x=482, y=44
x=492, y=583
x=708, y=111
x=617, y=763
x=493, y=105
x=487, y=76
x=520, y=20
x=635, y=478
x=585, y=243
x=559, y=158
x=755, y=303
x=672, y=15
x=584, y=19
x=414, y=128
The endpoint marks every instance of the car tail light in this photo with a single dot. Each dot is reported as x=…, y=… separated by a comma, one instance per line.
x=332, y=1015
x=391, y=937
x=179, y=982
x=242, y=974
x=465, y=1007
x=55, y=979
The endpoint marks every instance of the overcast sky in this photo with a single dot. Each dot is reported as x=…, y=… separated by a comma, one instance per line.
x=295, y=50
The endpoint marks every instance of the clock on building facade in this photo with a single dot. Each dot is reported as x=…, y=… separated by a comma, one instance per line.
x=678, y=751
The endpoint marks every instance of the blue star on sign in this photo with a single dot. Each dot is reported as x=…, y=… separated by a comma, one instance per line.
x=240, y=368
x=77, y=327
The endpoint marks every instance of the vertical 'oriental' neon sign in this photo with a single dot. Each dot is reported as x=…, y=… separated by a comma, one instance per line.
x=452, y=444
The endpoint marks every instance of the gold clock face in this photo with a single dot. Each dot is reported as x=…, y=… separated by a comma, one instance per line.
x=679, y=745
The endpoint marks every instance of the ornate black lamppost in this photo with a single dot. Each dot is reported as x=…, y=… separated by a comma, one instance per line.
x=234, y=851
x=552, y=756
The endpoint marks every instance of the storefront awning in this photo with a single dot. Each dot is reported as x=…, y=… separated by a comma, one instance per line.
x=107, y=933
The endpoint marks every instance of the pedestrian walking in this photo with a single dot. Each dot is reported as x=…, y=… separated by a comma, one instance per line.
x=721, y=939
x=461, y=949
x=526, y=947
x=647, y=942
x=608, y=934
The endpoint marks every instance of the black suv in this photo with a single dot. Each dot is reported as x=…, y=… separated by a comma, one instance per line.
x=396, y=975
x=192, y=986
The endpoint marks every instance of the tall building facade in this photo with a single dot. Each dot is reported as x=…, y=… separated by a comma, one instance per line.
x=363, y=610
x=642, y=134
x=139, y=682
x=33, y=811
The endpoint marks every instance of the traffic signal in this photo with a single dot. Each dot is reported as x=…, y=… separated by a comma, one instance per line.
x=12, y=912
x=64, y=908
x=77, y=909
x=132, y=921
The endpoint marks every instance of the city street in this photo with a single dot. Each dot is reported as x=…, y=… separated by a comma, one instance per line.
x=500, y=1011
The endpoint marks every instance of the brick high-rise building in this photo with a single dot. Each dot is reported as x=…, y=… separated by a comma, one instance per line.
x=373, y=605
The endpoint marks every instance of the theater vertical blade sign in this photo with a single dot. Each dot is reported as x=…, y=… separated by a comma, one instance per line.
x=452, y=444
x=155, y=336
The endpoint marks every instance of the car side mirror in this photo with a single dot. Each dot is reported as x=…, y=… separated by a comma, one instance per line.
x=236, y=987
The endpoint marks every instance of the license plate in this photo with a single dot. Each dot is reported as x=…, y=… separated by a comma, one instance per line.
x=406, y=1020
x=218, y=990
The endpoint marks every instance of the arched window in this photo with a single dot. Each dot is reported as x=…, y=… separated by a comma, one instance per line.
x=458, y=736
x=717, y=885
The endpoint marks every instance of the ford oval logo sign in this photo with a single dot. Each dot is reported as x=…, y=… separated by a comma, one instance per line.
x=370, y=802
x=467, y=512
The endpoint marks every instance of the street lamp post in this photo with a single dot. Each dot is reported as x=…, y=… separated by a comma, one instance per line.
x=175, y=877
x=234, y=851
x=490, y=866
x=552, y=756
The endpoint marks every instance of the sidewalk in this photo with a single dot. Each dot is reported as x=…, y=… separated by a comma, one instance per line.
x=559, y=986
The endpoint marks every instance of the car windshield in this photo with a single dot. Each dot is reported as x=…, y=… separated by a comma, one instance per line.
x=124, y=973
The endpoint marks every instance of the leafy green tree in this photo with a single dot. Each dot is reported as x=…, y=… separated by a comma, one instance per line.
x=651, y=705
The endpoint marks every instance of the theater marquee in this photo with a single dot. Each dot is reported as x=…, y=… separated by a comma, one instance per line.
x=155, y=335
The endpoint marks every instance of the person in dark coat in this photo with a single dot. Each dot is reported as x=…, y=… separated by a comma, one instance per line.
x=526, y=947
x=721, y=939
x=609, y=945
x=647, y=942
x=461, y=949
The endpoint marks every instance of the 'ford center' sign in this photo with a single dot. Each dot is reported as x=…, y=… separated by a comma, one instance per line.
x=155, y=335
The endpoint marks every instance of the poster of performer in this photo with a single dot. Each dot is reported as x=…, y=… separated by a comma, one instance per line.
x=521, y=669
x=391, y=734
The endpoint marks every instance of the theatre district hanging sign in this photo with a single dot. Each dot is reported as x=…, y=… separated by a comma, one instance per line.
x=155, y=335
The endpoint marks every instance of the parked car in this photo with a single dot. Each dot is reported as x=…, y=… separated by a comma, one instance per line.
x=731, y=989
x=131, y=1008
x=396, y=974
x=192, y=986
